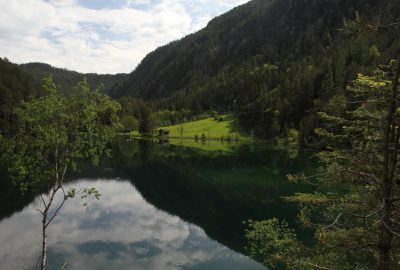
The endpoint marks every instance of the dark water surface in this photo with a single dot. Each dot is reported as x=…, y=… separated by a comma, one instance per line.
x=163, y=207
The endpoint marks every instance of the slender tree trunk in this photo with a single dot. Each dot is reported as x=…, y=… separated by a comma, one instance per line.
x=45, y=223
x=44, y=243
x=389, y=165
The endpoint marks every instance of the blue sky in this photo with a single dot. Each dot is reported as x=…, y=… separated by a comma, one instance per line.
x=102, y=36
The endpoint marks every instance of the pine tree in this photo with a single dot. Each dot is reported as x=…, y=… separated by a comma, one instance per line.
x=355, y=214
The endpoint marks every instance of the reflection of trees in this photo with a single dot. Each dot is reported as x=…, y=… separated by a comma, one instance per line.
x=218, y=193
x=126, y=147
x=11, y=199
x=128, y=152
x=213, y=190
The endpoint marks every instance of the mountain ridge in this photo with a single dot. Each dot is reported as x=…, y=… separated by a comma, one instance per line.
x=255, y=14
x=68, y=78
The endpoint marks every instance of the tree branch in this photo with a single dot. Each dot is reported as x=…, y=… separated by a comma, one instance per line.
x=43, y=201
x=388, y=25
x=58, y=209
x=391, y=230
x=350, y=214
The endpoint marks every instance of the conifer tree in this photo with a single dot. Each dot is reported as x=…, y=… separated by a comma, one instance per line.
x=355, y=213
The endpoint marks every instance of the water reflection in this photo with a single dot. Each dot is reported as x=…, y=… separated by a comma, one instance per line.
x=120, y=231
x=179, y=208
x=217, y=190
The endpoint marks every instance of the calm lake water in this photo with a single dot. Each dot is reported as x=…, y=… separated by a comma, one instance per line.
x=163, y=207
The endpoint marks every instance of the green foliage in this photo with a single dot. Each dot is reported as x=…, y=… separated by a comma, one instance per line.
x=271, y=241
x=327, y=84
x=56, y=132
x=87, y=193
x=173, y=117
x=129, y=123
x=140, y=110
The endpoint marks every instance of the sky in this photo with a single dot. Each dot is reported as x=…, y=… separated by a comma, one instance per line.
x=100, y=36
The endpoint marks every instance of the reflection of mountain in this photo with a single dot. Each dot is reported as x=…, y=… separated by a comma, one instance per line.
x=218, y=193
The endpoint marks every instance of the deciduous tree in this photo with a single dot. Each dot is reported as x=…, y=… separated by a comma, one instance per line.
x=55, y=133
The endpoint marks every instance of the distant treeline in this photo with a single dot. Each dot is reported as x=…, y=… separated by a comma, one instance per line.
x=68, y=79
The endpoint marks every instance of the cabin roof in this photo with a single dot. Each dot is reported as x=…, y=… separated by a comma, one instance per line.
x=163, y=131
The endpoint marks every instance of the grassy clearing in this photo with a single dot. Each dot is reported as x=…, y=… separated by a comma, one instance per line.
x=209, y=129
x=207, y=134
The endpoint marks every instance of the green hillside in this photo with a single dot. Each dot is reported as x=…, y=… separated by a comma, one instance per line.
x=275, y=63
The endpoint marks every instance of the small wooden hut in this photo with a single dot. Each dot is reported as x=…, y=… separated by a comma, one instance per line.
x=163, y=133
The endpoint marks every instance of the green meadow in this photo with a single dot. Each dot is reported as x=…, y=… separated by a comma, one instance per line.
x=209, y=129
x=207, y=134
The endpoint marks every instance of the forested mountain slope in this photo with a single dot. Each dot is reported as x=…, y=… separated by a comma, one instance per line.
x=274, y=62
x=15, y=86
x=68, y=79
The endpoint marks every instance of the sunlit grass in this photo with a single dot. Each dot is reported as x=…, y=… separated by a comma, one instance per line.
x=209, y=129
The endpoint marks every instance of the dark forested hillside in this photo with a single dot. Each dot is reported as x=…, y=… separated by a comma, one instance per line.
x=15, y=86
x=273, y=62
x=68, y=79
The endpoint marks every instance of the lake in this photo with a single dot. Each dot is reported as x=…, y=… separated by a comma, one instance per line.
x=162, y=207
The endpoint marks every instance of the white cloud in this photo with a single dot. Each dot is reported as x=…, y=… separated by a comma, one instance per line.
x=137, y=2
x=63, y=33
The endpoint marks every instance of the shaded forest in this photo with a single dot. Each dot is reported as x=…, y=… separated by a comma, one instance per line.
x=15, y=86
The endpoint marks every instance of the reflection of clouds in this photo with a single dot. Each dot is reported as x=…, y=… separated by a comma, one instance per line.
x=120, y=231
x=20, y=239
